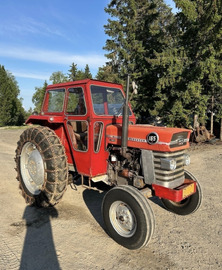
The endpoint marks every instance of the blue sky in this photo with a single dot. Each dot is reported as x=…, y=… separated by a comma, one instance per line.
x=40, y=37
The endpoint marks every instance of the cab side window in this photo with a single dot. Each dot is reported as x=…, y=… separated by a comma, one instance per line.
x=78, y=131
x=98, y=130
x=76, y=102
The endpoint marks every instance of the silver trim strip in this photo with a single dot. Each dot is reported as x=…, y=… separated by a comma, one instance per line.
x=145, y=141
x=135, y=139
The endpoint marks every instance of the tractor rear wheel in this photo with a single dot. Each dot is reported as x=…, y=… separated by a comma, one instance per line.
x=128, y=217
x=188, y=205
x=41, y=166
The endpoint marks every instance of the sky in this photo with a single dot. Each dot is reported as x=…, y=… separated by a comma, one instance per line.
x=40, y=37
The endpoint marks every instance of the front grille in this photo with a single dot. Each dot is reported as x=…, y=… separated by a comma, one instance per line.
x=179, y=139
x=170, y=179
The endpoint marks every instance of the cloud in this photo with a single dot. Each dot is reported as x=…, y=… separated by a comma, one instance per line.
x=31, y=75
x=53, y=57
x=27, y=25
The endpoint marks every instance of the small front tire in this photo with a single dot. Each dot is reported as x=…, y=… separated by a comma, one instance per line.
x=188, y=205
x=128, y=217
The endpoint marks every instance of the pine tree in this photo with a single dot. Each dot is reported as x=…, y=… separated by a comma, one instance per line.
x=202, y=39
x=106, y=74
x=176, y=60
x=190, y=68
x=137, y=29
x=123, y=44
x=12, y=112
x=76, y=74
x=72, y=72
x=80, y=75
x=87, y=72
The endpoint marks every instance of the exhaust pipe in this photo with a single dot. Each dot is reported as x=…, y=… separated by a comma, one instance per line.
x=125, y=122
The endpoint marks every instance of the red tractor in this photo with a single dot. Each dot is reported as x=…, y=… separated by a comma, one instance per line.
x=87, y=128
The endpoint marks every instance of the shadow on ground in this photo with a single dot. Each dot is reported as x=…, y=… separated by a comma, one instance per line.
x=93, y=200
x=38, y=249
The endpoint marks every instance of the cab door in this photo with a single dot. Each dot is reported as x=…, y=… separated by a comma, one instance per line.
x=78, y=128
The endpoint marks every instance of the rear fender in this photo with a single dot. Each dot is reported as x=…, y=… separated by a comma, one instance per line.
x=55, y=123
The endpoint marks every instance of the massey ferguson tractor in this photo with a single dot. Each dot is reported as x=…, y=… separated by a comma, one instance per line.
x=87, y=128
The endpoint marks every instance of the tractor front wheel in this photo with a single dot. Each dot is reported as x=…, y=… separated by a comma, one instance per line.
x=188, y=205
x=128, y=217
x=41, y=165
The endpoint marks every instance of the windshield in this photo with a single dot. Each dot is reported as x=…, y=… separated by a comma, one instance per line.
x=107, y=101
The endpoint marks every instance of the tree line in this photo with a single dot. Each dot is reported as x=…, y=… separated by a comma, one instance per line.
x=175, y=59
x=74, y=74
x=12, y=112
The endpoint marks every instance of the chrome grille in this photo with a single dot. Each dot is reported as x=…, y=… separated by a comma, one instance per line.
x=167, y=178
x=179, y=139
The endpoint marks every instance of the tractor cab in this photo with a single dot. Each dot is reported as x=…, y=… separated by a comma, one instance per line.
x=82, y=111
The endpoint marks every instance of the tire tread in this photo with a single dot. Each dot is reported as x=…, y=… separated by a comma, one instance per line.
x=54, y=157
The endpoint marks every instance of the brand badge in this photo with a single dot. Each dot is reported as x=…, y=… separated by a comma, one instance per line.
x=180, y=141
x=152, y=138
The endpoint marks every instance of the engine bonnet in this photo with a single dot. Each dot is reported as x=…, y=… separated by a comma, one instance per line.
x=150, y=137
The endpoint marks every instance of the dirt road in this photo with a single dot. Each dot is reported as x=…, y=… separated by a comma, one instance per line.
x=72, y=236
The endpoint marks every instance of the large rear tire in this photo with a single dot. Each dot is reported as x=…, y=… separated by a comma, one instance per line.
x=188, y=205
x=128, y=217
x=41, y=166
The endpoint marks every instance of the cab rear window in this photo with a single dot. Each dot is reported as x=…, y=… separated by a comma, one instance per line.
x=54, y=100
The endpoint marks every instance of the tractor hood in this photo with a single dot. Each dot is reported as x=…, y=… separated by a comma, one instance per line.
x=150, y=137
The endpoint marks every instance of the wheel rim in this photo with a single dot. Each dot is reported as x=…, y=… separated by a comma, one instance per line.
x=122, y=219
x=32, y=168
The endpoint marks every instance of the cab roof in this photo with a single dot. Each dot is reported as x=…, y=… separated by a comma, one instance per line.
x=85, y=81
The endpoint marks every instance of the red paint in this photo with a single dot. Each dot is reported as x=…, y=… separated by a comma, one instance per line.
x=176, y=194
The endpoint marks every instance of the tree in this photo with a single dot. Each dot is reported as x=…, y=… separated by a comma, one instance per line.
x=190, y=67
x=72, y=72
x=123, y=44
x=139, y=28
x=176, y=60
x=58, y=77
x=38, y=97
x=12, y=112
x=105, y=74
x=28, y=113
x=87, y=72
x=202, y=36
x=76, y=74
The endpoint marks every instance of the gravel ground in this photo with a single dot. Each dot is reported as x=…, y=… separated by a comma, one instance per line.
x=72, y=236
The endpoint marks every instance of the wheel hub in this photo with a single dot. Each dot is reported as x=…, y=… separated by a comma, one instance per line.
x=122, y=219
x=32, y=168
x=124, y=216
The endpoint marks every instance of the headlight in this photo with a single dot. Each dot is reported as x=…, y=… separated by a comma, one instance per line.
x=186, y=158
x=168, y=164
